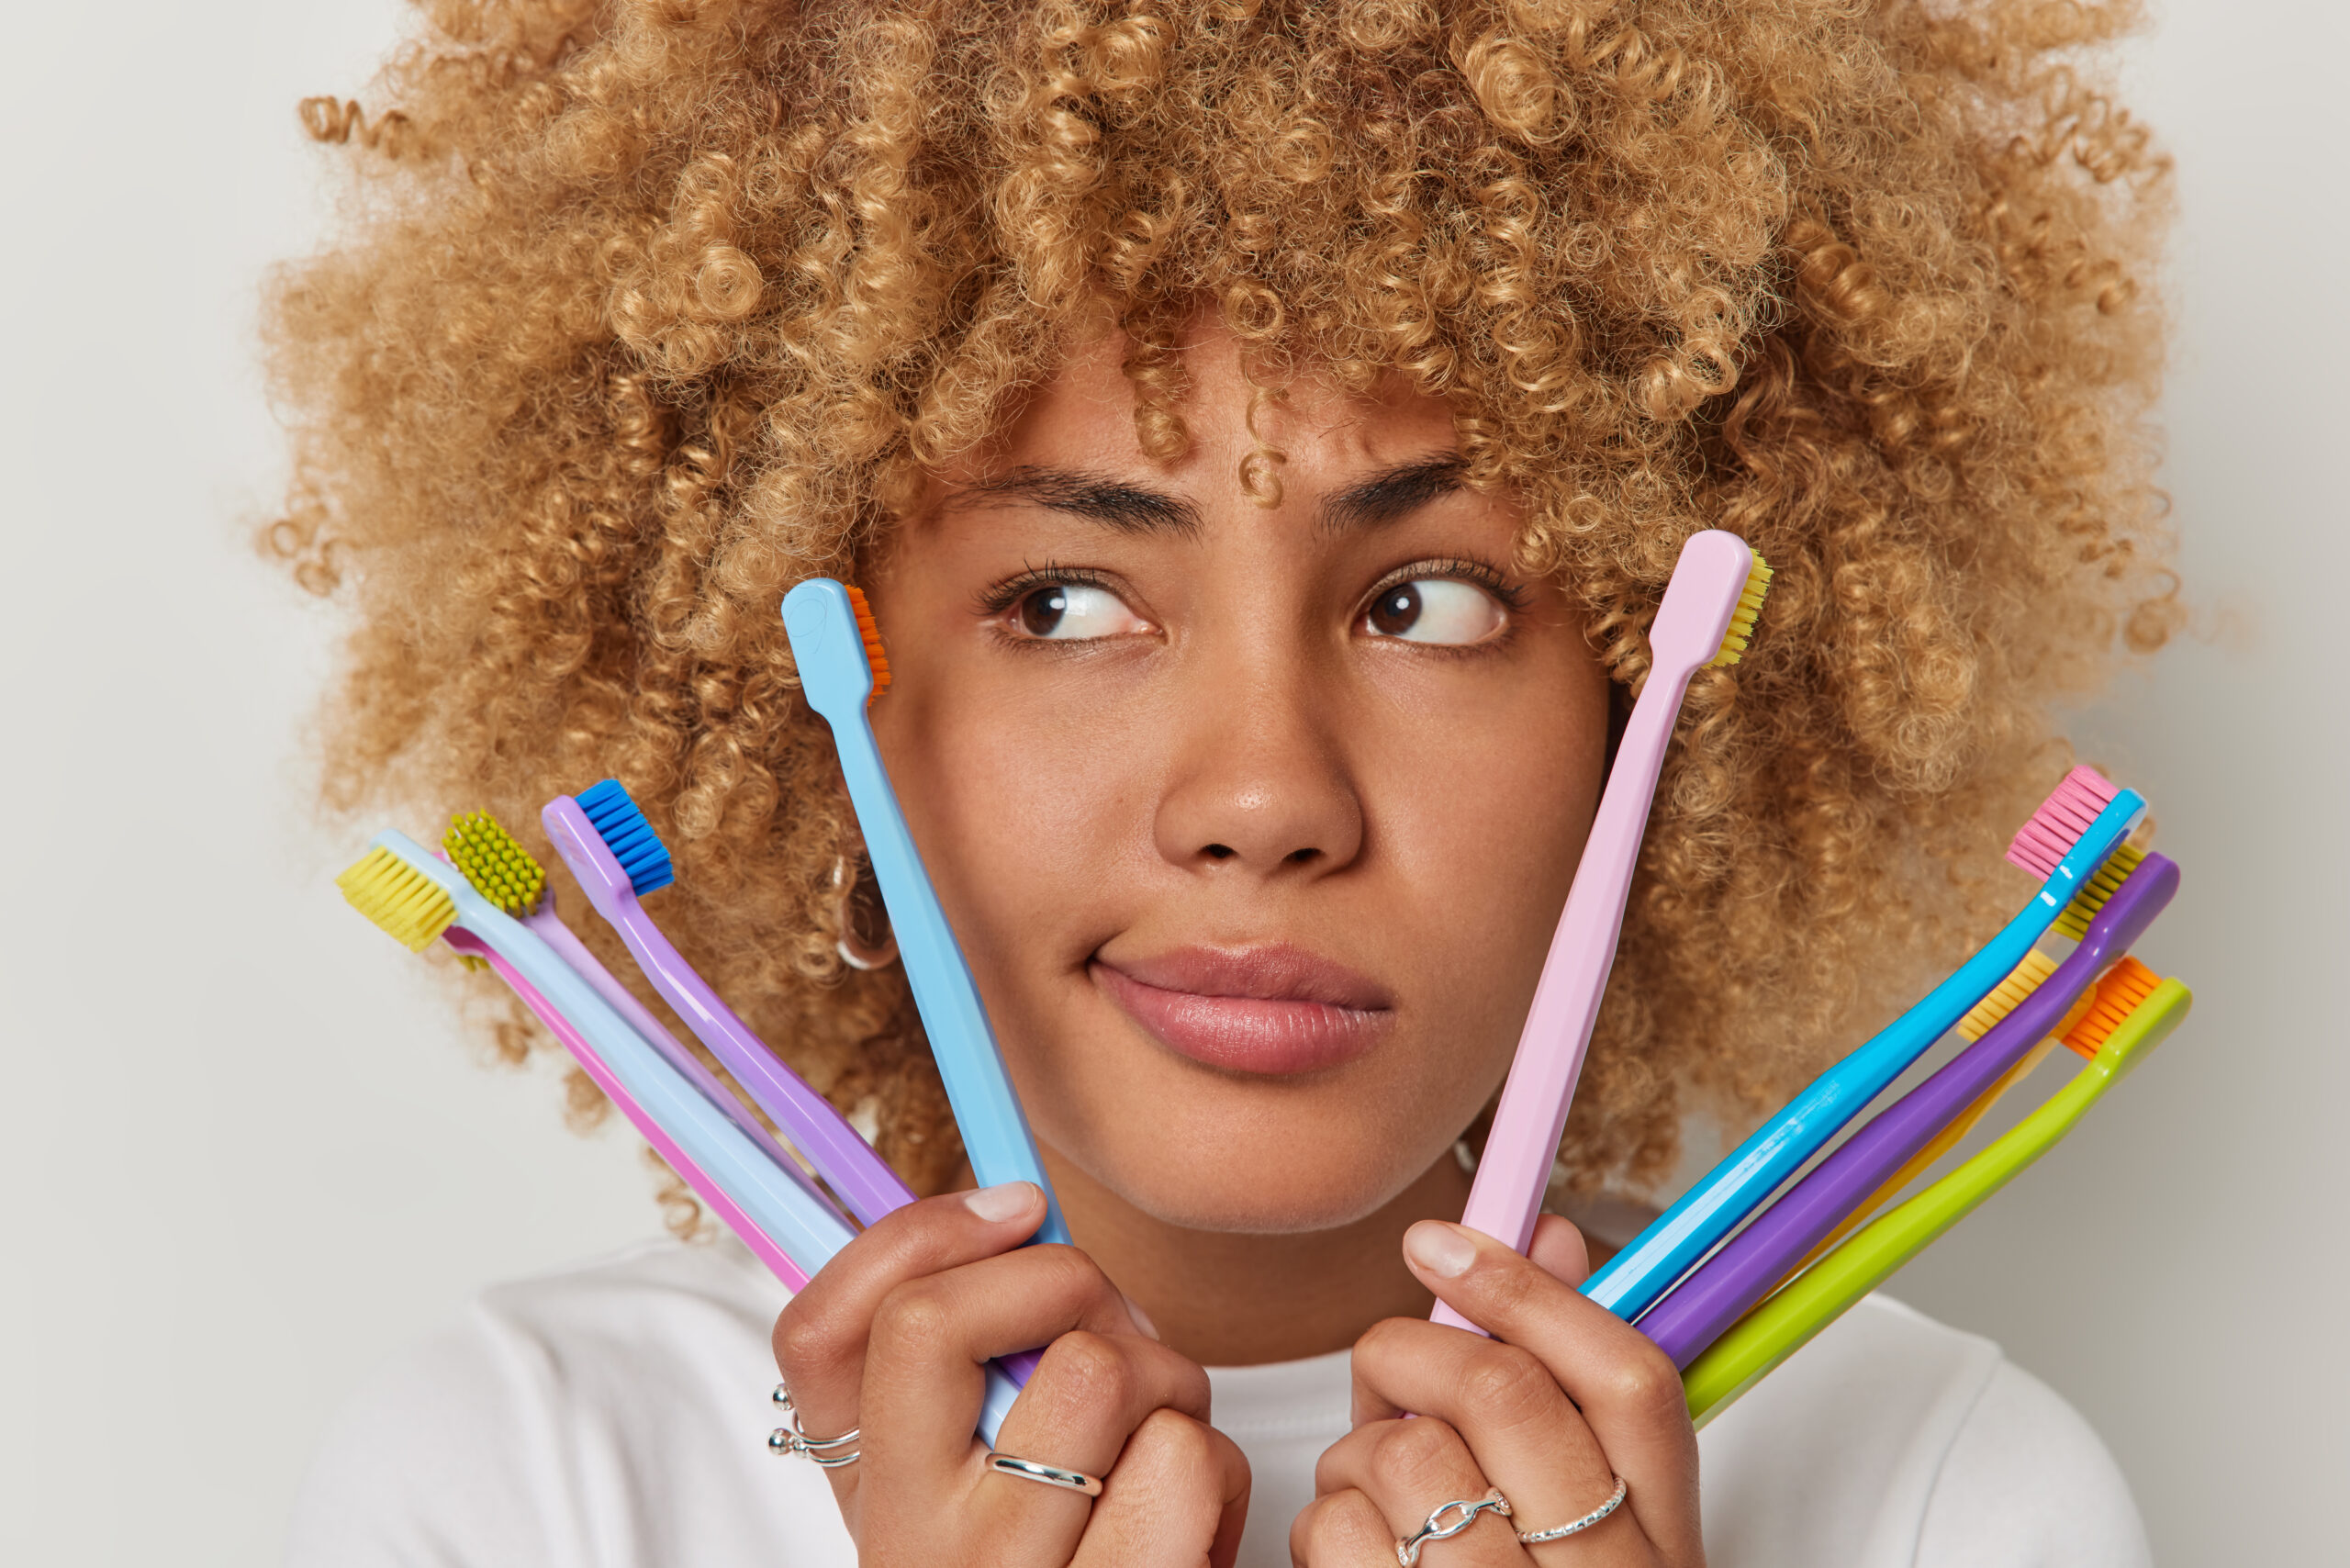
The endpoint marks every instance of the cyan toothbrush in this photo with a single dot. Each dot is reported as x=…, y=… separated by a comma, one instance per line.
x=2134, y=1013
x=614, y=851
x=1705, y=618
x=415, y=897
x=842, y=668
x=2066, y=843
x=1720, y=1290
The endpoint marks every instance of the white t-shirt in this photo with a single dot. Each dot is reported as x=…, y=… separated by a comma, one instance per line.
x=616, y=1416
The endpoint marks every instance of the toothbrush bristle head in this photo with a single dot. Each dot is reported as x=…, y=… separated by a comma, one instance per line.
x=2073, y=921
x=2061, y=820
x=501, y=869
x=402, y=900
x=2118, y=994
x=643, y=856
x=870, y=630
x=1742, y=620
x=2021, y=981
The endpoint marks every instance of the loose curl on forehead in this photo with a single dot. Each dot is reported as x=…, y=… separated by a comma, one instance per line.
x=645, y=310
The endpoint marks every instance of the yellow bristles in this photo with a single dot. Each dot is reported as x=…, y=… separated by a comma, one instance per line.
x=870, y=630
x=2021, y=981
x=501, y=869
x=1742, y=620
x=399, y=898
x=2117, y=996
x=2074, y=920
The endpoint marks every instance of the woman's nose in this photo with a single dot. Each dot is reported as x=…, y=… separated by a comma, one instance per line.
x=1260, y=783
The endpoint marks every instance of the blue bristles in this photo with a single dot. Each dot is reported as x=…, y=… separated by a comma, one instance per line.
x=628, y=835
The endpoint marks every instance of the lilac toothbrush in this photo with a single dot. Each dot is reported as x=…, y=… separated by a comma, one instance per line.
x=610, y=848
x=480, y=846
x=1723, y=1287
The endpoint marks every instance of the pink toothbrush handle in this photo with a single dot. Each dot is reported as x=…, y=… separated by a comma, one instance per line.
x=709, y=1192
x=1515, y=1172
x=567, y=945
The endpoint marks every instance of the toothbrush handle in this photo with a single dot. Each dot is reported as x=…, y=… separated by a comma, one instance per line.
x=567, y=944
x=1735, y=1278
x=995, y=1131
x=678, y=1160
x=864, y=1180
x=1630, y=1283
x=1515, y=1171
x=1761, y=1339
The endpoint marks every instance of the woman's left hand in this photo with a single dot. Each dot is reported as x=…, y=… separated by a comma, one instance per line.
x=1563, y=1399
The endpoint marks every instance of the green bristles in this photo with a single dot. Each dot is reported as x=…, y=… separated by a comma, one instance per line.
x=2074, y=921
x=399, y=898
x=1742, y=620
x=499, y=868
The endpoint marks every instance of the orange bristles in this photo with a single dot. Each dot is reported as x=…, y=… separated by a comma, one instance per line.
x=1742, y=620
x=2021, y=981
x=2118, y=995
x=872, y=631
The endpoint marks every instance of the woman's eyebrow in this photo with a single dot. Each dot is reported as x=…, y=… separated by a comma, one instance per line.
x=1392, y=493
x=1118, y=504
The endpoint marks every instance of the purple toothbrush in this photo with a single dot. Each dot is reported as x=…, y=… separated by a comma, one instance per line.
x=1720, y=1290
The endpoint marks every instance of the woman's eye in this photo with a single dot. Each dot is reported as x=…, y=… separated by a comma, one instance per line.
x=1434, y=610
x=1073, y=612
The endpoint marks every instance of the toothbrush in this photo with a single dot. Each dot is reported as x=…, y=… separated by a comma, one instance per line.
x=414, y=896
x=614, y=851
x=505, y=874
x=709, y=1192
x=843, y=669
x=1721, y=1289
x=2134, y=1013
x=2036, y=967
x=2066, y=843
x=1705, y=619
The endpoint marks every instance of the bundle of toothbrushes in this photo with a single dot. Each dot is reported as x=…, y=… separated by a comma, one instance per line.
x=1730, y=1281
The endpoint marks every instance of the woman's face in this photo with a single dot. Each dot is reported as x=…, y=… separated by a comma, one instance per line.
x=1254, y=821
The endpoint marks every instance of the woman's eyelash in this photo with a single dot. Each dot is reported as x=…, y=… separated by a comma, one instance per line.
x=1460, y=568
x=1002, y=596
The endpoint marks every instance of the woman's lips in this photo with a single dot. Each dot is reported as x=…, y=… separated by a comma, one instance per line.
x=1264, y=1010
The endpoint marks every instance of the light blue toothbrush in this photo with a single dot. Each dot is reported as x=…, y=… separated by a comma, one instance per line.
x=842, y=668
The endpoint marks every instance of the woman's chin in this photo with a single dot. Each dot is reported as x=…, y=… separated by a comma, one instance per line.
x=1237, y=1195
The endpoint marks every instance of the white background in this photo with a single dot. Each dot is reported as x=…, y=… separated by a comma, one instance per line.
x=247, y=1153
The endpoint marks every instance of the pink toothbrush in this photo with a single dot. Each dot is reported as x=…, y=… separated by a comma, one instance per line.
x=708, y=1190
x=1708, y=614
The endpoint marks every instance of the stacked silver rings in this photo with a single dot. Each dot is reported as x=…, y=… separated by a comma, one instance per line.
x=794, y=1439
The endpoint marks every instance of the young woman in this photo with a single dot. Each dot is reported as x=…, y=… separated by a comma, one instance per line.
x=1264, y=431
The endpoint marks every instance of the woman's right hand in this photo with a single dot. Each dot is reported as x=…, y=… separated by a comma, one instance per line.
x=890, y=1340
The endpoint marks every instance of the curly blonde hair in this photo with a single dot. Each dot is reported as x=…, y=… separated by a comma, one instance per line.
x=645, y=309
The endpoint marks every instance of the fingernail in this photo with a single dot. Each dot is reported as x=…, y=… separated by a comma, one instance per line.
x=1007, y=1200
x=1142, y=1319
x=1440, y=1249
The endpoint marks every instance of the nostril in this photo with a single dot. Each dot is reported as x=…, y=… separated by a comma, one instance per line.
x=1300, y=857
x=1218, y=852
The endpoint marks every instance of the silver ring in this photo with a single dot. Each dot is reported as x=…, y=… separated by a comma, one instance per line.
x=1408, y=1551
x=1576, y=1527
x=1048, y=1474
